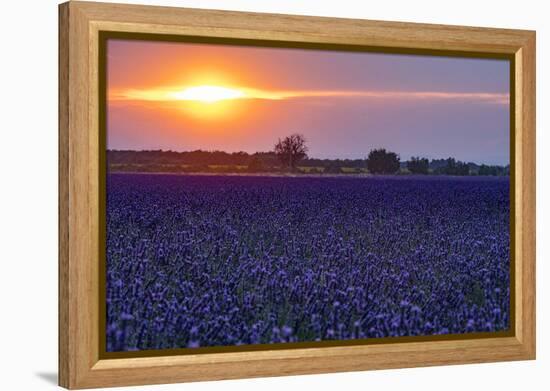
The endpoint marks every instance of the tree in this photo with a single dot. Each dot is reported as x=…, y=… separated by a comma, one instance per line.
x=453, y=167
x=333, y=169
x=381, y=161
x=291, y=150
x=418, y=165
x=491, y=170
x=256, y=165
x=462, y=168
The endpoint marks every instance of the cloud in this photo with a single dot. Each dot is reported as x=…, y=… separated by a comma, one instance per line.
x=178, y=94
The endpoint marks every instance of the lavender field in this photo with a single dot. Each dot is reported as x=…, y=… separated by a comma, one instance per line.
x=196, y=261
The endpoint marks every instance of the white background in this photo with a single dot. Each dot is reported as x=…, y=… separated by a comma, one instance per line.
x=28, y=194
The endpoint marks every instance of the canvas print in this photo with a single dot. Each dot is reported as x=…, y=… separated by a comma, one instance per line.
x=272, y=196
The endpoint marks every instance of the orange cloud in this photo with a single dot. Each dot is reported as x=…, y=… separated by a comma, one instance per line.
x=210, y=94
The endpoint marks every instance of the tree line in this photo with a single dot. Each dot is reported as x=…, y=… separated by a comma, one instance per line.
x=290, y=155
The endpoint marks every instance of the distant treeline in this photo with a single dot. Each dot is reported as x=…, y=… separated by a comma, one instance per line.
x=268, y=159
x=270, y=162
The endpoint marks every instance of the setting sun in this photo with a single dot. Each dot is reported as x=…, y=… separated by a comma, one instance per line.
x=208, y=94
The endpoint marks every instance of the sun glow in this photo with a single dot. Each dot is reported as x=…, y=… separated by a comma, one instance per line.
x=208, y=94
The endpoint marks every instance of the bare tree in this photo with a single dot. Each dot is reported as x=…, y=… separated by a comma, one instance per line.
x=291, y=150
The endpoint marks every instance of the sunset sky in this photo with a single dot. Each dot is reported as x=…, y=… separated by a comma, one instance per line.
x=182, y=97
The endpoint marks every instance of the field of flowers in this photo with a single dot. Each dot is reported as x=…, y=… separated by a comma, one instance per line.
x=229, y=260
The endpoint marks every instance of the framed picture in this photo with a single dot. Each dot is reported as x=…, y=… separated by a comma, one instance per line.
x=247, y=195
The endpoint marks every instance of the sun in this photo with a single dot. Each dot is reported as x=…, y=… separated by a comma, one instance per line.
x=208, y=94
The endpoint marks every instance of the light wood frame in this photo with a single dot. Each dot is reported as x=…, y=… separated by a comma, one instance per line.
x=80, y=365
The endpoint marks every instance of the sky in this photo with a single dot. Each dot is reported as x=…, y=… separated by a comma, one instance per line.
x=183, y=97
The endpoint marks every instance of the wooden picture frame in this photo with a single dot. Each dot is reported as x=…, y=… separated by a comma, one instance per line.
x=80, y=25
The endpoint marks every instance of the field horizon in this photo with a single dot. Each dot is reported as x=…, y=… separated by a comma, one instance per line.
x=264, y=152
x=222, y=162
